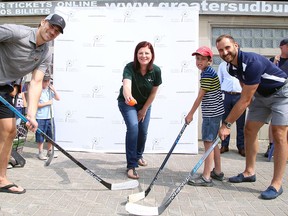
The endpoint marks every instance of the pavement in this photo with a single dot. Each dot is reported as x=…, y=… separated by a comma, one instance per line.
x=64, y=189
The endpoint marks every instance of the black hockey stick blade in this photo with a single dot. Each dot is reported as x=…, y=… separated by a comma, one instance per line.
x=137, y=209
x=116, y=186
x=138, y=196
x=18, y=158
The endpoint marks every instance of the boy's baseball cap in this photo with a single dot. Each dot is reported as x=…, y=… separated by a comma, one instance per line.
x=204, y=51
x=284, y=42
x=55, y=19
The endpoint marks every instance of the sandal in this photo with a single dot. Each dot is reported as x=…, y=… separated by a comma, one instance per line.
x=132, y=173
x=142, y=162
x=7, y=189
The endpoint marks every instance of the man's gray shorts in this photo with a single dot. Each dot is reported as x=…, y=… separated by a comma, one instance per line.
x=274, y=108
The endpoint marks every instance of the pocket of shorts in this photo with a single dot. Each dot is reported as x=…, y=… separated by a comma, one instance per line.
x=283, y=92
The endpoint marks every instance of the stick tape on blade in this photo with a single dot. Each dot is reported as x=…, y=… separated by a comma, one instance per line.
x=125, y=185
x=136, y=209
x=136, y=197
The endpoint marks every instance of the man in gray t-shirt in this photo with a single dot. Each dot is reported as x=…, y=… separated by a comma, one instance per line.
x=22, y=50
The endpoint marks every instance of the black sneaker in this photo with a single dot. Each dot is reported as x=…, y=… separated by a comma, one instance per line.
x=216, y=176
x=200, y=181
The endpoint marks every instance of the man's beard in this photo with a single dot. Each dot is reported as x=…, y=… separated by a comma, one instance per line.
x=228, y=58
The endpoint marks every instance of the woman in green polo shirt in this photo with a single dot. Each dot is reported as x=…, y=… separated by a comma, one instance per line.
x=141, y=79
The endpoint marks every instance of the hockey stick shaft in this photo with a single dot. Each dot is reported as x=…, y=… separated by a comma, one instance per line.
x=18, y=158
x=52, y=130
x=193, y=171
x=166, y=159
x=136, y=209
x=130, y=184
x=51, y=156
x=142, y=195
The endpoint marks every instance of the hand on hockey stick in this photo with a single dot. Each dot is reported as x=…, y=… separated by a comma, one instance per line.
x=31, y=124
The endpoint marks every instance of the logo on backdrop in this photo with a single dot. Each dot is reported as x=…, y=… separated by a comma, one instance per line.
x=127, y=15
x=68, y=116
x=159, y=41
x=186, y=16
x=97, y=91
x=156, y=143
x=180, y=119
x=97, y=41
x=71, y=65
x=70, y=16
x=96, y=142
x=184, y=67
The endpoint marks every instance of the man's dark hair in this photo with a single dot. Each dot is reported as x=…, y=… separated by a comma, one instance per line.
x=225, y=36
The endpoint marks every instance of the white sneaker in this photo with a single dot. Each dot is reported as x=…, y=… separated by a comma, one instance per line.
x=9, y=166
x=41, y=156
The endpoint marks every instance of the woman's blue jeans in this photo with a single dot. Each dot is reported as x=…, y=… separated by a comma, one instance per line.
x=136, y=133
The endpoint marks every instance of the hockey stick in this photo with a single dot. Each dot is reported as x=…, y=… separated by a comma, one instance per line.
x=51, y=156
x=271, y=152
x=138, y=196
x=137, y=209
x=18, y=158
x=49, y=160
x=116, y=186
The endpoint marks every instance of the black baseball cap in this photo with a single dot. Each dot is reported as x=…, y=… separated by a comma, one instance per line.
x=284, y=42
x=55, y=19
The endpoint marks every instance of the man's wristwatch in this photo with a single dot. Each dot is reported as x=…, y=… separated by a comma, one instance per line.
x=227, y=124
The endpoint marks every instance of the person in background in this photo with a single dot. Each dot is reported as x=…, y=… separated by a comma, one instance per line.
x=19, y=100
x=265, y=91
x=35, y=57
x=281, y=61
x=141, y=80
x=212, y=110
x=45, y=117
x=231, y=90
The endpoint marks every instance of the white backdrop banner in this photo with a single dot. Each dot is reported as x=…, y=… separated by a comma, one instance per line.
x=89, y=59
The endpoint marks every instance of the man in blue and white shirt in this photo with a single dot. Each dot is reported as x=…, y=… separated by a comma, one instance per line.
x=231, y=90
x=265, y=91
